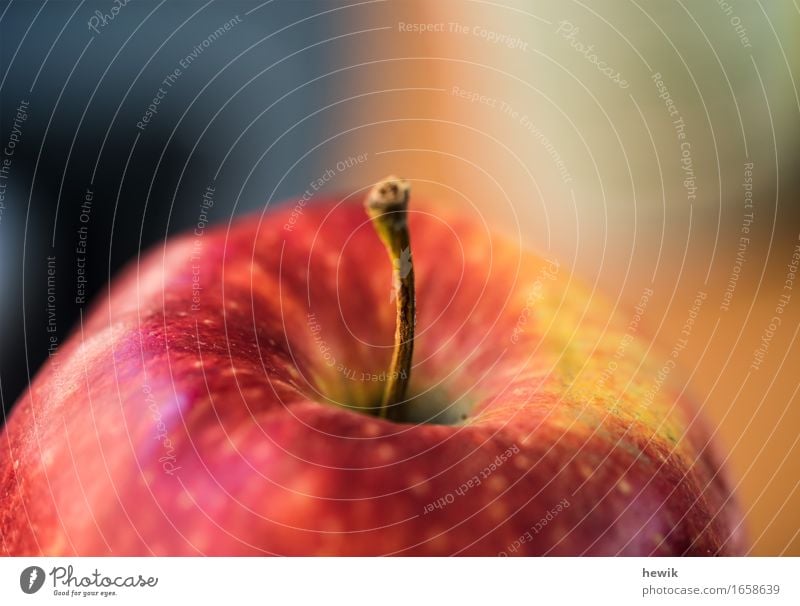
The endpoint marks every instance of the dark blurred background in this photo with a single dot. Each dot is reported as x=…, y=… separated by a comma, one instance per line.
x=86, y=90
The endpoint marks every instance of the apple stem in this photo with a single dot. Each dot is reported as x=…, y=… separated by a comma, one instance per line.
x=387, y=206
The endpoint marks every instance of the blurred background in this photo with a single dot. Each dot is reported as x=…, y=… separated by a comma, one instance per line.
x=644, y=144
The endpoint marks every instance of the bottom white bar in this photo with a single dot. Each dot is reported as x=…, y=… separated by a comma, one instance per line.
x=400, y=581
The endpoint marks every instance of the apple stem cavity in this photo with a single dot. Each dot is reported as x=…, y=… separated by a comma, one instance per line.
x=387, y=206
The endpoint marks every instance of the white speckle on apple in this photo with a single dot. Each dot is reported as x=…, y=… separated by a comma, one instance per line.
x=261, y=451
x=371, y=430
x=331, y=524
x=47, y=458
x=230, y=447
x=199, y=541
x=418, y=484
x=385, y=452
x=254, y=394
x=184, y=501
x=331, y=259
x=59, y=545
x=497, y=511
x=497, y=483
x=437, y=540
x=522, y=462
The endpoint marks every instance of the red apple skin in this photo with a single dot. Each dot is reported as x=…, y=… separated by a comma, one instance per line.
x=164, y=430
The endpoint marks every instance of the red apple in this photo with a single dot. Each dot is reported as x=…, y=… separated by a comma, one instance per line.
x=221, y=401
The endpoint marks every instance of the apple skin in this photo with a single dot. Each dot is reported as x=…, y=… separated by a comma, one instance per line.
x=167, y=430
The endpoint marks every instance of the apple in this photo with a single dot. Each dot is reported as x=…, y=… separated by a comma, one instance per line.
x=250, y=390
